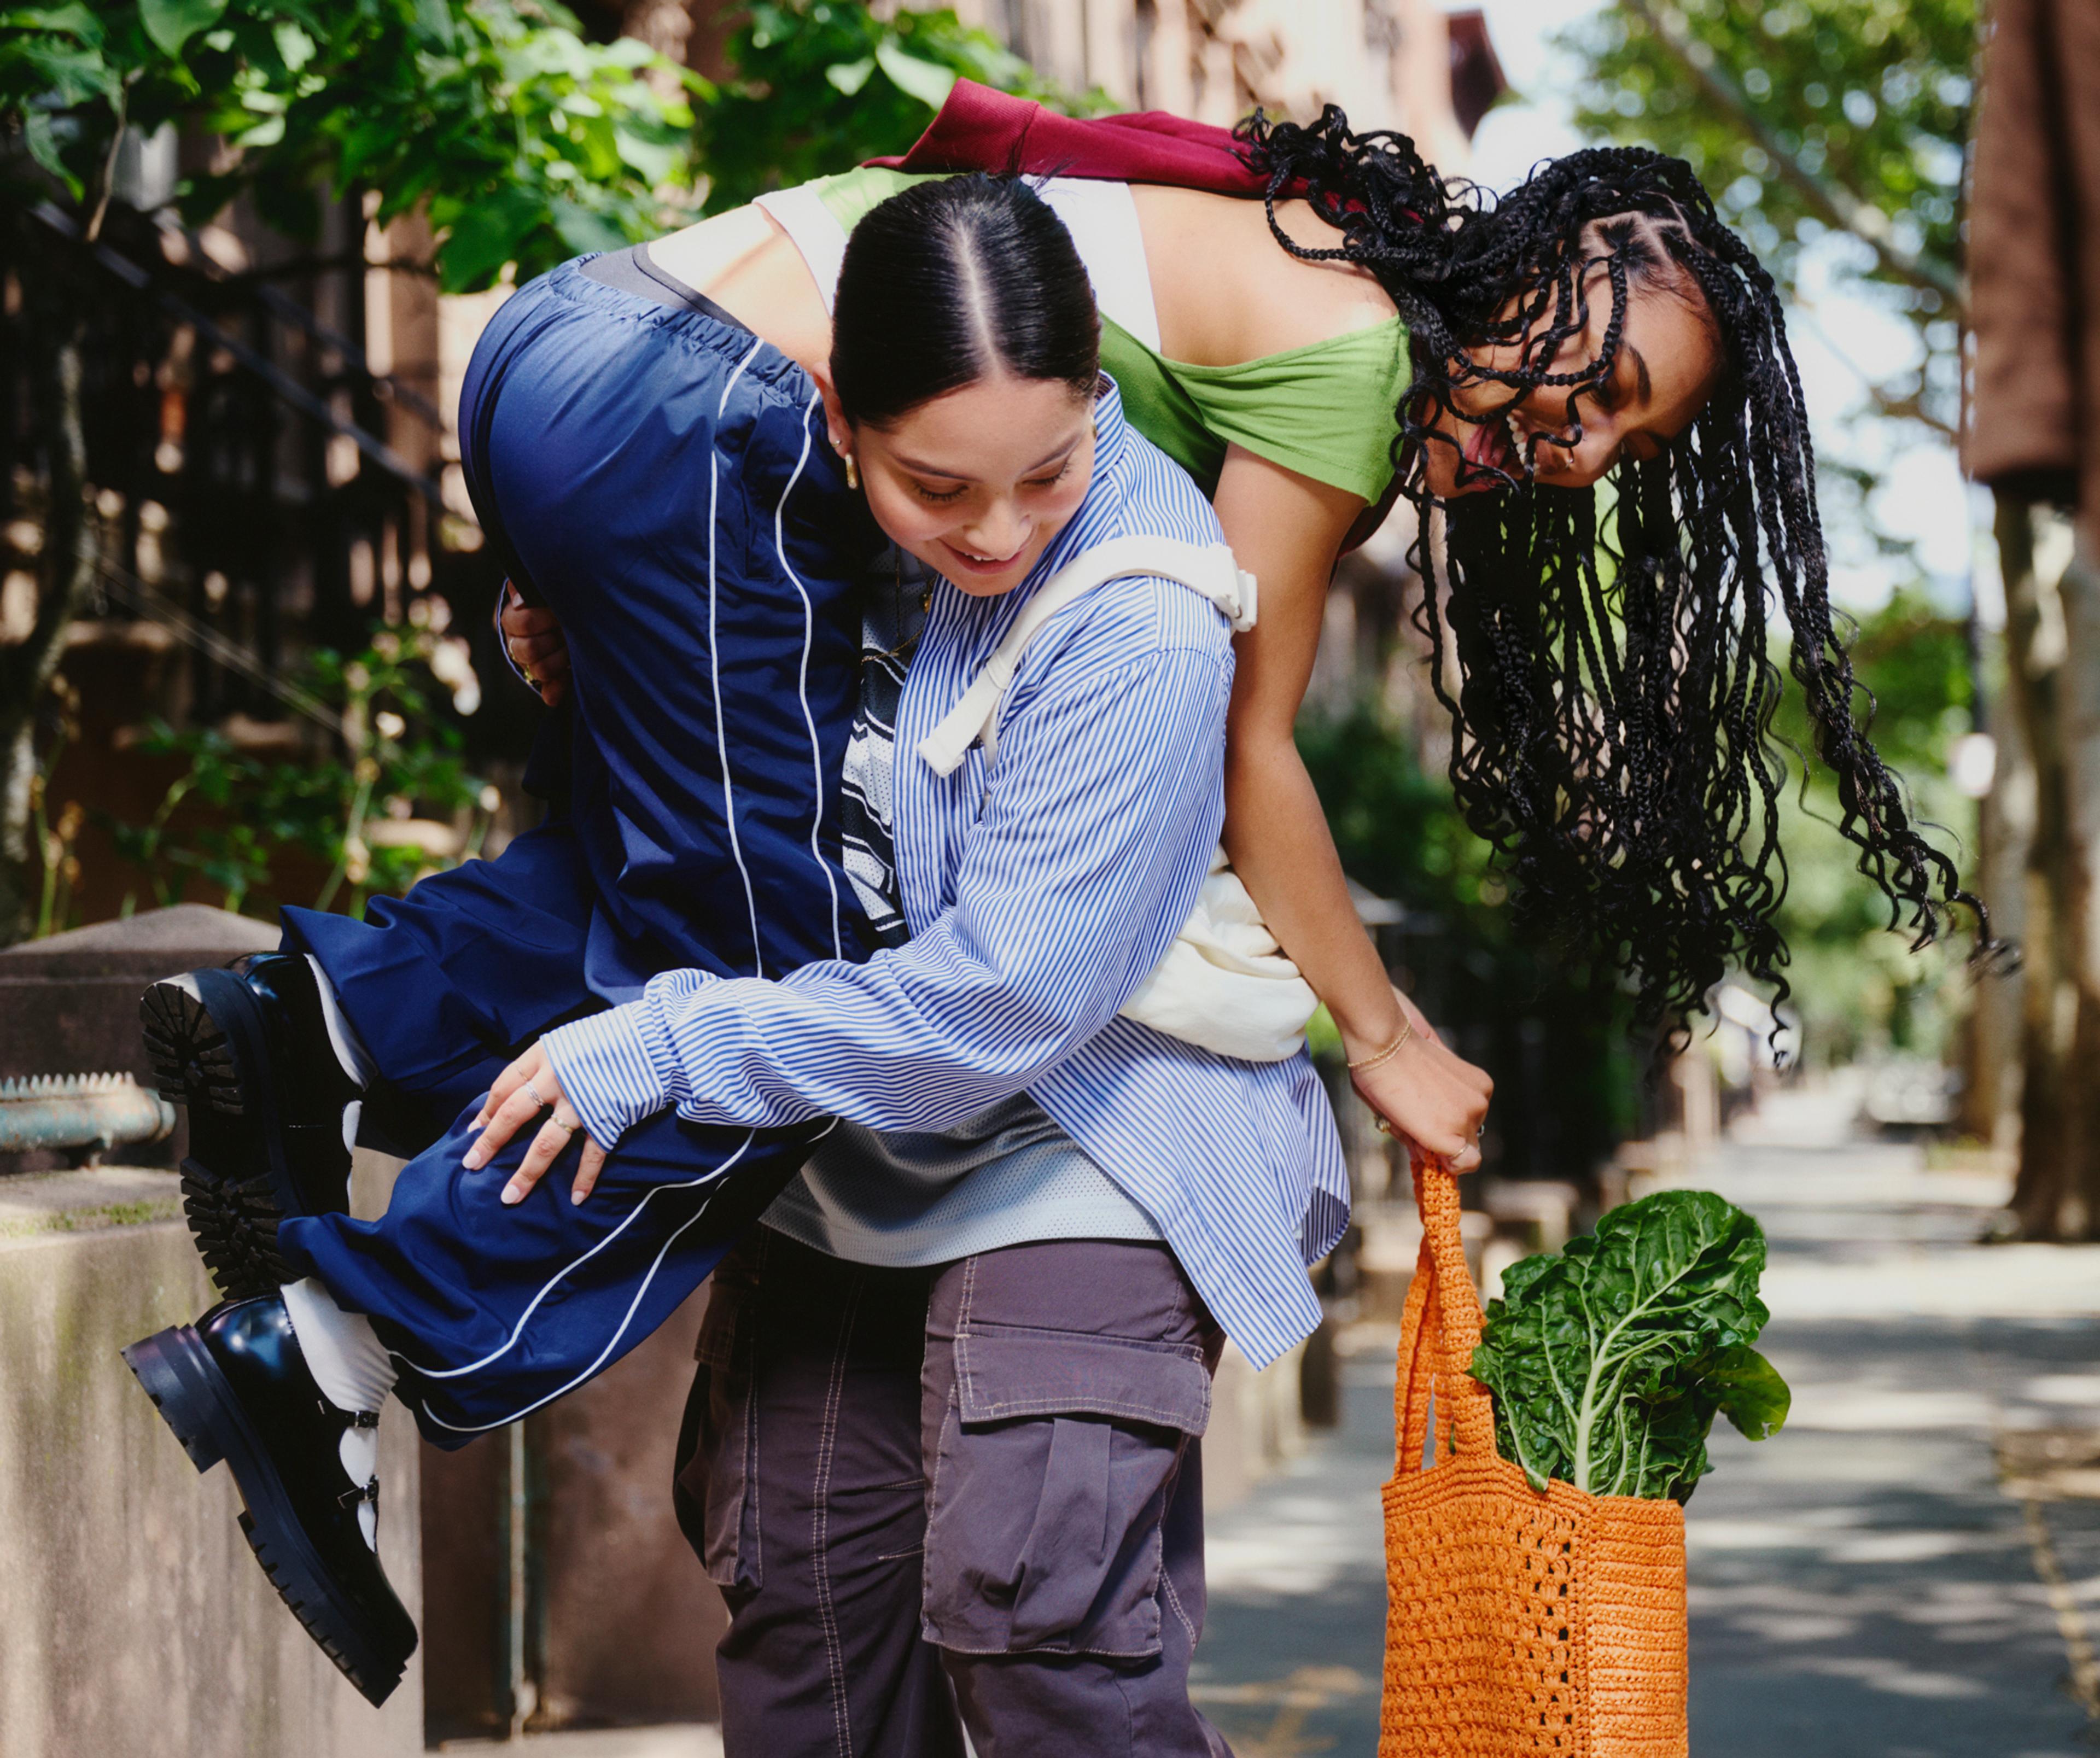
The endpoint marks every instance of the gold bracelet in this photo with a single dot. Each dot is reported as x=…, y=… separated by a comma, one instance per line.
x=1390, y=1050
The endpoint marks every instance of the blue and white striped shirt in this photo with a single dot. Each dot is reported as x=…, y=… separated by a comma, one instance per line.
x=1040, y=895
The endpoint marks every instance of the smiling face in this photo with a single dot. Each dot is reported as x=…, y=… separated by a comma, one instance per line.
x=977, y=483
x=1669, y=360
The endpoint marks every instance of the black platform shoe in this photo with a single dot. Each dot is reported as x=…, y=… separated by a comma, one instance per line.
x=247, y=1050
x=235, y=1386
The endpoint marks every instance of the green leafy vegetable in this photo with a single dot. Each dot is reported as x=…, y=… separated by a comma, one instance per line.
x=1609, y=1362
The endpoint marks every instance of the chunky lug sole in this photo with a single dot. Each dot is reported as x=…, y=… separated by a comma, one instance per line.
x=194, y=1398
x=210, y=1053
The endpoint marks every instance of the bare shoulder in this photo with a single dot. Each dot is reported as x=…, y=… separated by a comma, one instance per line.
x=1227, y=292
x=747, y=265
x=702, y=254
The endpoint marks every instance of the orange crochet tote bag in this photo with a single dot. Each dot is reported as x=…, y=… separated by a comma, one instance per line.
x=1519, y=1624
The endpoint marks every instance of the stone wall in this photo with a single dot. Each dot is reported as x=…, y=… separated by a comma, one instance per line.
x=133, y=1618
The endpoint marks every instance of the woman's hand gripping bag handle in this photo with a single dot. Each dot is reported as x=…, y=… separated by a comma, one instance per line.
x=1519, y=1623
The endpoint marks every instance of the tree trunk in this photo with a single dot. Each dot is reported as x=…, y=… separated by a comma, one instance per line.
x=55, y=329
x=2079, y=718
x=2053, y=649
x=1991, y=1050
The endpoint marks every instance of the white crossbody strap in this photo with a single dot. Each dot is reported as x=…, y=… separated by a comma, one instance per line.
x=1205, y=568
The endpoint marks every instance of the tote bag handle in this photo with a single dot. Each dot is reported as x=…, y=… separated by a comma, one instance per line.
x=1439, y=1408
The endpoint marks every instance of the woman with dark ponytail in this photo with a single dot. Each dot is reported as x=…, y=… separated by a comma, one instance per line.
x=940, y=1454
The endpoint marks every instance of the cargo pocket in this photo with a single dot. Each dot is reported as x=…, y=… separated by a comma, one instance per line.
x=717, y=1483
x=1056, y=1454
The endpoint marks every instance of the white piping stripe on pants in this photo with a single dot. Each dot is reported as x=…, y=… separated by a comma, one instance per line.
x=612, y=1342
x=603, y=1354
x=714, y=665
x=802, y=681
x=569, y=1269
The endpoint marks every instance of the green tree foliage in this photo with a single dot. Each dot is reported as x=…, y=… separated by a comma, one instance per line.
x=822, y=85
x=394, y=804
x=527, y=144
x=1394, y=824
x=1501, y=1001
x=1857, y=988
x=1806, y=115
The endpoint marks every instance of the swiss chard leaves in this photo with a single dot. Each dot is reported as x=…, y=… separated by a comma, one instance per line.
x=1609, y=1362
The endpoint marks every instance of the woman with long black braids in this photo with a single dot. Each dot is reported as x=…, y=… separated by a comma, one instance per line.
x=1608, y=678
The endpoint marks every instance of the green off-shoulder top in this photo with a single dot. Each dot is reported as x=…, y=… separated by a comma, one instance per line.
x=1326, y=411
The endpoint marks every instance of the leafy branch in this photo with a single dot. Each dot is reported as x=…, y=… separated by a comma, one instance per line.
x=401, y=804
x=1830, y=199
x=821, y=85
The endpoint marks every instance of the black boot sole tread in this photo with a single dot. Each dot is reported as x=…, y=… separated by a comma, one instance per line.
x=210, y=1051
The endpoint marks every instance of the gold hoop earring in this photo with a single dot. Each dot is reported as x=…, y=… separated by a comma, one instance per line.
x=852, y=471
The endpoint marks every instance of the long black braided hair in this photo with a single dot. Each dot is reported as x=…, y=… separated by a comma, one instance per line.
x=1608, y=678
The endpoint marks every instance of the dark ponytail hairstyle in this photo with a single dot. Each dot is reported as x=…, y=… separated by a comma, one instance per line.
x=1608, y=676
x=954, y=279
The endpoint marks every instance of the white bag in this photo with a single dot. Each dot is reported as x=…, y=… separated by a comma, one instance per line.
x=1225, y=985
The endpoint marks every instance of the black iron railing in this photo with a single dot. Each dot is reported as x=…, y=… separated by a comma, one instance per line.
x=260, y=490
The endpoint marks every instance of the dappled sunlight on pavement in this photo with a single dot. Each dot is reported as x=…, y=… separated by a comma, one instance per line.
x=1292, y=1647
x=1861, y=1584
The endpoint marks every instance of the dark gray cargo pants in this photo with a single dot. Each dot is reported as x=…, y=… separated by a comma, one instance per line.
x=972, y=1489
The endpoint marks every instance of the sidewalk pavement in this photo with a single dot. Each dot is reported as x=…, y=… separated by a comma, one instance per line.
x=1295, y=1634
x=1861, y=1585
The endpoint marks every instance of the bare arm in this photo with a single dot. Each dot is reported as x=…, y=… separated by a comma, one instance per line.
x=1286, y=530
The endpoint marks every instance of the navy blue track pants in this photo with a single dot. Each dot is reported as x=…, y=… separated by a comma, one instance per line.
x=660, y=478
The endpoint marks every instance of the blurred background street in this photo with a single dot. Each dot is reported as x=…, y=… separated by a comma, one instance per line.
x=246, y=660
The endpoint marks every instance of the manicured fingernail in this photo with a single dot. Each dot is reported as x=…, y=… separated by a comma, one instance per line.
x=474, y=1157
x=576, y=1196
x=513, y=1195
x=478, y=1125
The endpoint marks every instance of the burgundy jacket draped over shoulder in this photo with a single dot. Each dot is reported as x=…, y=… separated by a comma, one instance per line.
x=982, y=129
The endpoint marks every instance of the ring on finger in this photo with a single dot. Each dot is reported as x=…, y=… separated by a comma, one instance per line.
x=533, y=1093
x=567, y=1128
